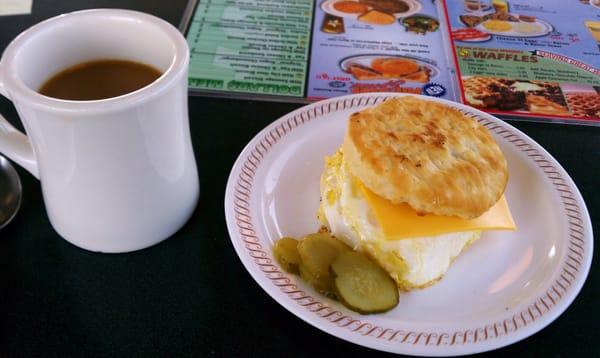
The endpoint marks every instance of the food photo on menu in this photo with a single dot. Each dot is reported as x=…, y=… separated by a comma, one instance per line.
x=514, y=58
x=378, y=46
x=528, y=58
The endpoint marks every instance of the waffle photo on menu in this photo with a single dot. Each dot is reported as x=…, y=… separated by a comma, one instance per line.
x=532, y=60
x=528, y=60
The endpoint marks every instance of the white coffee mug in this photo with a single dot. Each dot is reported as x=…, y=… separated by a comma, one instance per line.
x=117, y=174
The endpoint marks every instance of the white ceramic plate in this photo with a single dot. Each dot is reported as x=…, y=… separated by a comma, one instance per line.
x=505, y=287
x=544, y=29
x=414, y=6
x=366, y=60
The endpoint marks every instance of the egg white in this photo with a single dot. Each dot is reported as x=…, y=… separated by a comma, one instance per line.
x=414, y=262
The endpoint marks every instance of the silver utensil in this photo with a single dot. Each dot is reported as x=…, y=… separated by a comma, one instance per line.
x=10, y=192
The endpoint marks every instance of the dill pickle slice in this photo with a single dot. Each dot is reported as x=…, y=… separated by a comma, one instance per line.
x=362, y=285
x=286, y=253
x=322, y=285
x=317, y=253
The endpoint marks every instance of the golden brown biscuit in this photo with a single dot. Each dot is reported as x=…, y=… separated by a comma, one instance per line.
x=428, y=155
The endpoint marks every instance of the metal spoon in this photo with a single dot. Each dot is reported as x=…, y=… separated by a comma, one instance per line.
x=10, y=192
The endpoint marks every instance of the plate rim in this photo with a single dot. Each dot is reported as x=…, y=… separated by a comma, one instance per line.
x=346, y=326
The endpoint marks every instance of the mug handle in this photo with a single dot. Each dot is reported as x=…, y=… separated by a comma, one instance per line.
x=15, y=144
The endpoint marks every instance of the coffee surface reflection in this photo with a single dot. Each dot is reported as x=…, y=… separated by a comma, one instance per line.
x=99, y=79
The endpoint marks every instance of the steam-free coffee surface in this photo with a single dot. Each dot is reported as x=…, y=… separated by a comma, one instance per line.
x=99, y=80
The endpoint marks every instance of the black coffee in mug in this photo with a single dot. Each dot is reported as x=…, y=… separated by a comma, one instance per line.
x=99, y=79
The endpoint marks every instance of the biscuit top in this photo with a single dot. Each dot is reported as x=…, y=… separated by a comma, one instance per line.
x=428, y=155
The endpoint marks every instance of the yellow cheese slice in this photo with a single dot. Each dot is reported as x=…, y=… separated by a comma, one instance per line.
x=402, y=222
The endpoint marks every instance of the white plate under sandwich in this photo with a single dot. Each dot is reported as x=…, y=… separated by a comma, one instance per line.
x=505, y=287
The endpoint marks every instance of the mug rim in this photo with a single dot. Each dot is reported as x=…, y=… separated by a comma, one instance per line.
x=18, y=90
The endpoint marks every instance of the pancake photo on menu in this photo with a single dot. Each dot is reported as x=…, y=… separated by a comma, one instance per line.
x=381, y=67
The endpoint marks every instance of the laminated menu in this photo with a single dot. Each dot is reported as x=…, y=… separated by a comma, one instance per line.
x=379, y=46
x=250, y=46
x=529, y=58
x=536, y=59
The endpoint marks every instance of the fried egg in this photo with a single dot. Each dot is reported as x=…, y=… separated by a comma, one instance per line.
x=413, y=262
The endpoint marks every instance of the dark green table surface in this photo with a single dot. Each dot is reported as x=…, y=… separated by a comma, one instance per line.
x=190, y=295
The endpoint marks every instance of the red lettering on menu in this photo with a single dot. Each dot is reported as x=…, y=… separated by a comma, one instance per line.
x=504, y=56
x=390, y=86
x=478, y=54
x=341, y=78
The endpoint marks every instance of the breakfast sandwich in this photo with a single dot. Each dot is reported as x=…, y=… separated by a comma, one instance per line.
x=414, y=183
